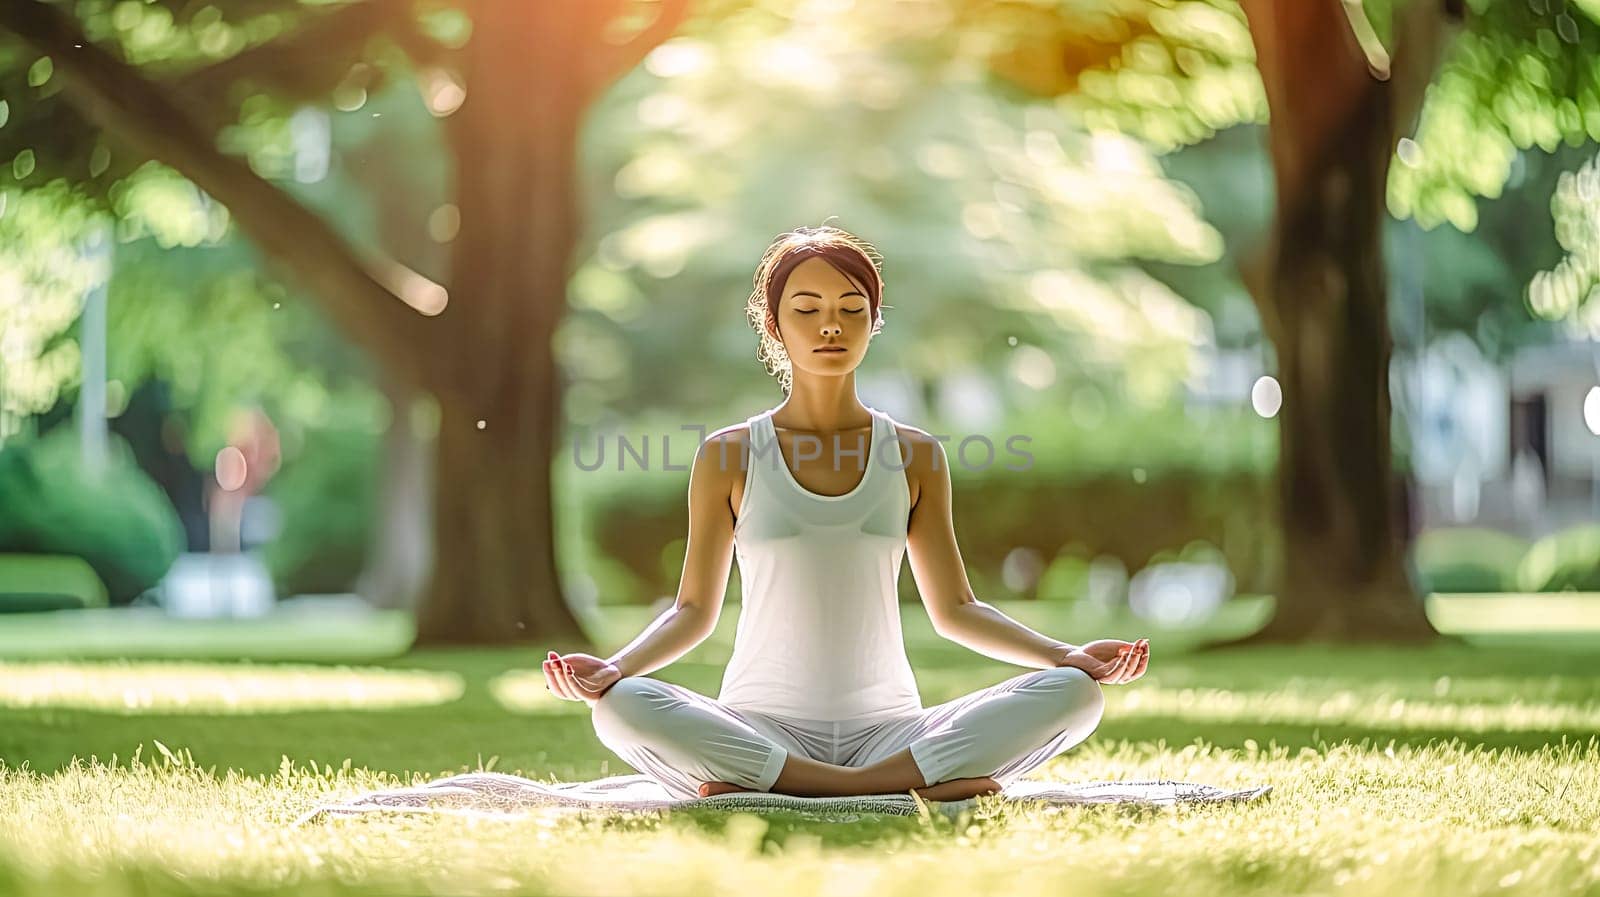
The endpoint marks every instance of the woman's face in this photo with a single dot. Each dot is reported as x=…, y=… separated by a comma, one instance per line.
x=821, y=313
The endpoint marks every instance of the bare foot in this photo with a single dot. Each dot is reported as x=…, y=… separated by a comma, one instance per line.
x=958, y=789
x=708, y=789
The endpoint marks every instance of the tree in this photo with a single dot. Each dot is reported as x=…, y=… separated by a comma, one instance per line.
x=511, y=160
x=1322, y=292
x=161, y=81
x=1342, y=82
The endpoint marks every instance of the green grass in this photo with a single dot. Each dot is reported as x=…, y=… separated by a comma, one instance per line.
x=1460, y=769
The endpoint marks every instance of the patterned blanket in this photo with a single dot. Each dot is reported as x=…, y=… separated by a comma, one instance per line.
x=478, y=793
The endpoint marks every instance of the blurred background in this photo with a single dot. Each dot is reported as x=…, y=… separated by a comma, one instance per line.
x=329, y=321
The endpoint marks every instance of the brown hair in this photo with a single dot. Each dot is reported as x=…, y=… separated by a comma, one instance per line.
x=852, y=256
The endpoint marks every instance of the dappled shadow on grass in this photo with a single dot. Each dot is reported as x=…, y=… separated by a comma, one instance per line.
x=213, y=688
x=1158, y=730
x=149, y=632
x=1555, y=654
x=458, y=736
x=434, y=741
x=1519, y=693
x=1438, y=821
x=548, y=737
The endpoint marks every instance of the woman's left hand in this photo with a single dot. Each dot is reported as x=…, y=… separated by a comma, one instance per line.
x=579, y=677
x=1126, y=661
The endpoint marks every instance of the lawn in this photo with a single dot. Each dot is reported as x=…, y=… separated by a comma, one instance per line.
x=1468, y=768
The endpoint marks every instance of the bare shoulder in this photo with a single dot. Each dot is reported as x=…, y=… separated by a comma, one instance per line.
x=919, y=449
x=722, y=452
x=923, y=457
x=720, y=462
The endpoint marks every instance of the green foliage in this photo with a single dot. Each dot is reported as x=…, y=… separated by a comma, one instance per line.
x=1065, y=577
x=1475, y=283
x=1566, y=560
x=1468, y=559
x=203, y=322
x=326, y=494
x=189, y=300
x=978, y=199
x=1521, y=75
x=118, y=519
x=1475, y=559
x=206, y=321
x=1171, y=73
x=1231, y=177
x=47, y=263
x=1565, y=291
x=182, y=45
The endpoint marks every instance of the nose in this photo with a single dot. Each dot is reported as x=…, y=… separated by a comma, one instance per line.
x=832, y=330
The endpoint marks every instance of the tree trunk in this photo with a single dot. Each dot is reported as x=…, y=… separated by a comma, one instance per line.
x=401, y=553
x=1323, y=297
x=495, y=575
x=1344, y=574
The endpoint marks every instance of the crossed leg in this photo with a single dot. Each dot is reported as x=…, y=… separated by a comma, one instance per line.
x=1000, y=732
x=682, y=738
x=970, y=745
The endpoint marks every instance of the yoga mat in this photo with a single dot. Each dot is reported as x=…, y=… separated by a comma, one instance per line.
x=493, y=793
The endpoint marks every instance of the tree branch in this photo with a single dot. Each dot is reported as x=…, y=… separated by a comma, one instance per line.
x=1355, y=12
x=360, y=293
x=309, y=62
x=295, y=64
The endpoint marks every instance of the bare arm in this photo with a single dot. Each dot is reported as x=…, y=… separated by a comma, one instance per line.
x=941, y=577
x=707, y=557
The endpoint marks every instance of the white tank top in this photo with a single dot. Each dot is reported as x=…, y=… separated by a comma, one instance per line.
x=819, y=633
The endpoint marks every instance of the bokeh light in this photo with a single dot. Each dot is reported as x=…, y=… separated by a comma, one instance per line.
x=231, y=468
x=1266, y=396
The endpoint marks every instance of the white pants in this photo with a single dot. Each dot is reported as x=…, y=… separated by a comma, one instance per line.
x=682, y=738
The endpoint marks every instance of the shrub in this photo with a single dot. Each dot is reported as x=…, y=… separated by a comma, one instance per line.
x=1467, y=559
x=118, y=520
x=326, y=495
x=33, y=582
x=1126, y=486
x=1563, y=561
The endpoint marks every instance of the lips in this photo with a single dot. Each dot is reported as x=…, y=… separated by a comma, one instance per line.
x=830, y=349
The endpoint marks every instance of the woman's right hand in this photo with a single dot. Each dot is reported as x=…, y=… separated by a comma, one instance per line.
x=579, y=677
x=1111, y=663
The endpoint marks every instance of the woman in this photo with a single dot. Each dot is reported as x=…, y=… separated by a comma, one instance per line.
x=819, y=698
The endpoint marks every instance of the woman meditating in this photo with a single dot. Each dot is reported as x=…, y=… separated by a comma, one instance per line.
x=819, y=499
